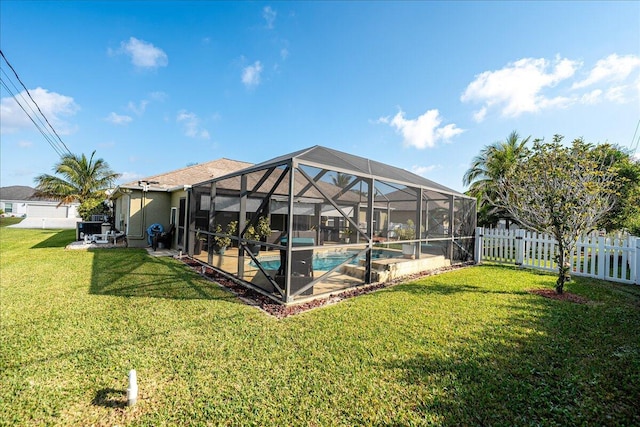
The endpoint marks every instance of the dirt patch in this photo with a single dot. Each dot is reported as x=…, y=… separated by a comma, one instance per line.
x=274, y=308
x=565, y=296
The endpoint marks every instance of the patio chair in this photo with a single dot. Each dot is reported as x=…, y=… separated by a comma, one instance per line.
x=165, y=238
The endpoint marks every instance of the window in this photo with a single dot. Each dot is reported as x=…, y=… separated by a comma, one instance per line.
x=8, y=207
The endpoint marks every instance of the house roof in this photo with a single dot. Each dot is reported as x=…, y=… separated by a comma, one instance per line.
x=189, y=175
x=21, y=193
x=343, y=162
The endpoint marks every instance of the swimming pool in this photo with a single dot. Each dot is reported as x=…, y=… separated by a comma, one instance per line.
x=327, y=260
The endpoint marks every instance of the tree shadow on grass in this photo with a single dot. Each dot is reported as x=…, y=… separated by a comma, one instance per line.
x=545, y=363
x=133, y=273
x=58, y=239
x=446, y=289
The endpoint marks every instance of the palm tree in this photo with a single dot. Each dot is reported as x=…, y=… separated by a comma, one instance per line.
x=493, y=162
x=81, y=180
x=341, y=179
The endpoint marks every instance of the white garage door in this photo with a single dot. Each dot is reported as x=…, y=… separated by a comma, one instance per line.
x=46, y=211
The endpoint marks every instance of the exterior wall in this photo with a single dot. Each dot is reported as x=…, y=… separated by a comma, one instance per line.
x=18, y=208
x=21, y=208
x=145, y=208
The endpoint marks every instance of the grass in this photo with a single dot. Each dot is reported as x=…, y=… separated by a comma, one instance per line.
x=9, y=220
x=469, y=347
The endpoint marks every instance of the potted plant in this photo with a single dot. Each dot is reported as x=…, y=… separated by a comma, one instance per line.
x=261, y=230
x=221, y=243
x=346, y=234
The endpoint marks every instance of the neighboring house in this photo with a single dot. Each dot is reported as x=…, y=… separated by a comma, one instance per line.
x=20, y=200
x=162, y=199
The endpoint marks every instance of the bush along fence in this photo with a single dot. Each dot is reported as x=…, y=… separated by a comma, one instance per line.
x=616, y=259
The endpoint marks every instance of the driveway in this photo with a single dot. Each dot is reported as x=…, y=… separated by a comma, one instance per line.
x=48, y=223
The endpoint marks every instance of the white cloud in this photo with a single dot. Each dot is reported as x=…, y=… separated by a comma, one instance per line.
x=158, y=96
x=517, y=88
x=138, y=108
x=191, y=124
x=129, y=177
x=54, y=106
x=479, y=115
x=251, y=74
x=284, y=53
x=616, y=94
x=143, y=54
x=269, y=16
x=425, y=131
x=591, y=98
x=25, y=144
x=117, y=119
x=611, y=68
x=424, y=170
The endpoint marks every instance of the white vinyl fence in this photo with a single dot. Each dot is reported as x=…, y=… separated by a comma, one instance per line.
x=616, y=259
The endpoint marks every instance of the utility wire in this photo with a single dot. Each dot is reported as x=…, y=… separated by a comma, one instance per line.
x=42, y=131
x=17, y=93
x=36, y=104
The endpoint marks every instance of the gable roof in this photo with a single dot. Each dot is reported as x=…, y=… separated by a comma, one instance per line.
x=189, y=175
x=21, y=193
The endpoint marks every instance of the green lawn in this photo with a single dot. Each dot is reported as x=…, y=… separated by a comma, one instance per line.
x=9, y=220
x=468, y=347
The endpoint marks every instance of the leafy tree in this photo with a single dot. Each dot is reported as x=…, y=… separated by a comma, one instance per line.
x=81, y=179
x=563, y=191
x=486, y=170
x=625, y=213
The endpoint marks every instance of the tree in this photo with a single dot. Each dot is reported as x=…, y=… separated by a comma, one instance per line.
x=341, y=179
x=81, y=180
x=486, y=170
x=625, y=213
x=563, y=191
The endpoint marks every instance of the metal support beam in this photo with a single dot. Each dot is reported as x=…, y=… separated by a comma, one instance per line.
x=212, y=228
x=242, y=220
x=418, y=252
x=451, y=212
x=287, y=279
x=370, y=209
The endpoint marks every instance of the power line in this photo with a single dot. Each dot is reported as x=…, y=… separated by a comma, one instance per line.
x=42, y=131
x=59, y=149
x=17, y=96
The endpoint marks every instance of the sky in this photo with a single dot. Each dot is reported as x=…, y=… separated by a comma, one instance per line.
x=157, y=86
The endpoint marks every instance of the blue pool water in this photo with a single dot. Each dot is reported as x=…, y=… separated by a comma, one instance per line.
x=326, y=261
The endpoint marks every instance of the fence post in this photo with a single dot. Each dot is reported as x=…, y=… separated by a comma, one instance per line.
x=519, y=247
x=479, y=246
x=637, y=260
x=600, y=274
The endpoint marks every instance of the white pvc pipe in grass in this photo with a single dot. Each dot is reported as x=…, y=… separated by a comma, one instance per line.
x=132, y=391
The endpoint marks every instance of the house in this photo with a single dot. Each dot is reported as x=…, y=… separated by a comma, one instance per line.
x=163, y=199
x=20, y=200
x=329, y=214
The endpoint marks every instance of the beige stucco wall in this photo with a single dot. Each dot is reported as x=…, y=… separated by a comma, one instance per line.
x=144, y=209
x=130, y=215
